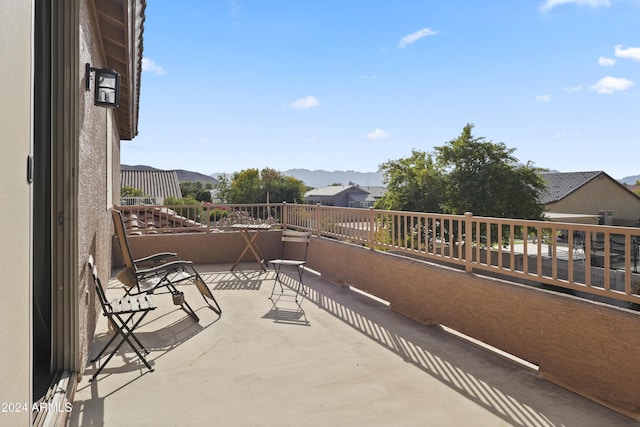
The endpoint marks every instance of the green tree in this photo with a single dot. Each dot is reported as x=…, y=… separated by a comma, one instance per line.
x=197, y=190
x=128, y=191
x=484, y=178
x=253, y=186
x=413, y=184
x=467, y=174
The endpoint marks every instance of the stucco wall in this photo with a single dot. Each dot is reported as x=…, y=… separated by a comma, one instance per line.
x=584, y=346
x=600, y=194
x=94, y=220
x=200, y=247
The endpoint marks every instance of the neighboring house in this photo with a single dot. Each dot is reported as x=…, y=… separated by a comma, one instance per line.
x=590, y=197
x=351, y=196
x=376, y=191
x=60, y=172
x=155, y=183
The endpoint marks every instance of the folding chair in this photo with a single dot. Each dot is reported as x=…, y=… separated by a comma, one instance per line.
x=166, y=270
x=115, y=311
x=288, y=238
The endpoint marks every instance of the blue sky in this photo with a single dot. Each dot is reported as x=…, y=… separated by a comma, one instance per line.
x=350, y=84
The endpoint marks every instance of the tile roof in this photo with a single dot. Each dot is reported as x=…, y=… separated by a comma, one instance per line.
x=154, y=183
x=333, y=190
x=561, y=184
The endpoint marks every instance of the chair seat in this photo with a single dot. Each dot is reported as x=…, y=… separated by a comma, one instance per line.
x=132, y=304
x=286, y=262
x=149, y=283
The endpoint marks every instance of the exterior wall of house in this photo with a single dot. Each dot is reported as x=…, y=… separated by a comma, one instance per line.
x=601, y=194
x=340, y=199
x=16, y=126
x=98, y=151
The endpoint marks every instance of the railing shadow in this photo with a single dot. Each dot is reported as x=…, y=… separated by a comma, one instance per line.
x=486, y=379
x=235, y=280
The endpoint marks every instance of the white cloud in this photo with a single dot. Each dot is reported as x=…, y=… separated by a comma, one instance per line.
x=550, y=4
x=412, y=38
x=572, y=88
x=304, y=103
x=148, y=64
x=611, y=84
x=377, y=134
x=606, y=62
x=628, y=53
x=543, y=99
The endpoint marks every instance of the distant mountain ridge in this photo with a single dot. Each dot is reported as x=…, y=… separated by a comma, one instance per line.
x=631, y=180
x=314, y=178
x=323, y=178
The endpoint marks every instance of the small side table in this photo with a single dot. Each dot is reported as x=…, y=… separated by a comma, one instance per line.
x=250, y=233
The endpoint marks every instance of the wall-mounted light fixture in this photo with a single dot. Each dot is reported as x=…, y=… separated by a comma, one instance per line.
x=106, y=87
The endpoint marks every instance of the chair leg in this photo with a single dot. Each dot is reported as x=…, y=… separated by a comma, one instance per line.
x=125, y=332
x=277, y=281
x=187, y=308
x=206, y=293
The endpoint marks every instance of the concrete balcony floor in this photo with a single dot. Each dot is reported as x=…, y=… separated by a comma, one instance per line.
x=348, y=360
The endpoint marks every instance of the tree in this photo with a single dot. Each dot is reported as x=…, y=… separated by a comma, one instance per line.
x=128, y=191
x=196, y=189
x=467, y=174
x=413, y=184
x=484, y=178
x=253, y=186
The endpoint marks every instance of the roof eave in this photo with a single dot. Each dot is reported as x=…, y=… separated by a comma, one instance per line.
x=121, y=27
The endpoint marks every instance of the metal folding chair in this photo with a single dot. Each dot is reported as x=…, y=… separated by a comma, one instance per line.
x=290, y=238
x=121, y=314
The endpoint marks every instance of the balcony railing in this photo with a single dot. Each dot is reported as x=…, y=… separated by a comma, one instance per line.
x=597, y=260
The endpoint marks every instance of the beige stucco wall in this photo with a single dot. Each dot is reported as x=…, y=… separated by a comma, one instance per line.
x=200, y=248
x=584, y=346
x=600, y=194
x=94, y=220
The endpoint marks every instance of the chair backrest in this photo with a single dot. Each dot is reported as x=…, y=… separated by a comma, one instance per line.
x=106, y=307
x=299, y=237
x=121, y=235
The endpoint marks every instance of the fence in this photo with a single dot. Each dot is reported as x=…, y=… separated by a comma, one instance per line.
x=599, y=260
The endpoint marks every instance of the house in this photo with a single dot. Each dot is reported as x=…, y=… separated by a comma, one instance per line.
x=155, y=183
x=60, y=171
x=352, y=196
x=589, y=197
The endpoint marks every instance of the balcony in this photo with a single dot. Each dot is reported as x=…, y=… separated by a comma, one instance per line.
x=381, y=339
x=356, y=362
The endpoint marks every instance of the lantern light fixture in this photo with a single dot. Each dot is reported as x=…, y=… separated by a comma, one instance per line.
x=106, y=86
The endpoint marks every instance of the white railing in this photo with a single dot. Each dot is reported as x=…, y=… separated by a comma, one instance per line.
x=143, y=200
x=599, y=260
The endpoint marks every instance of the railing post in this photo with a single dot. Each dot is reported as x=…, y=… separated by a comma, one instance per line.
x=284, y=215
x=372, y=225
x=318, y=220
x=468, y=242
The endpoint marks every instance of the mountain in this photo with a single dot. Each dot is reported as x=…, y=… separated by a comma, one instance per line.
x=322, y=178
x=183, y=175
x=630, y=179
